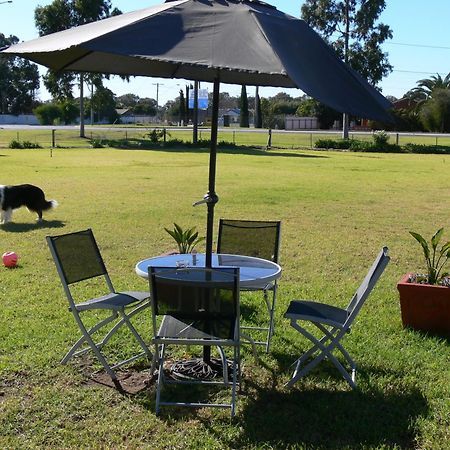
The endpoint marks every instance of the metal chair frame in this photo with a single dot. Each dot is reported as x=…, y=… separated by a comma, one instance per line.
x=334, y=323
x=272, y=287
x=157, y=277
x=116, y=302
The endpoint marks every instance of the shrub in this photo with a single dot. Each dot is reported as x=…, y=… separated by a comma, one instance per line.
x=96, y=143
x=426, y=149
x=24, y=144
x=338, y=144
x=48, y=113
x=358, y=146
x=15, y=144
x=28, y=144
x=362, y=146
x=380, y=138
x=156, y=136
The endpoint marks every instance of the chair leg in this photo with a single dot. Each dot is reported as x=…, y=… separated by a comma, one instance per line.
x=95, y=347
x=73, y=351
x=236, y=356
x=96, y=350
x=160, y=380
x=126, y=319
x=326, y=352
x=252, y=342
x=271, y=310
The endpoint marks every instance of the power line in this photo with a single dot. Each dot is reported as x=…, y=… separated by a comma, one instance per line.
x=420, y=73
x=418, y=45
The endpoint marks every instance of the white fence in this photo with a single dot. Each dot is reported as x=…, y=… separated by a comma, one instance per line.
x=301, y=123
x=21, y=119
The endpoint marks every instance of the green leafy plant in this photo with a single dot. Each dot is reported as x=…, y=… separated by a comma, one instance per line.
x=185, y=239
x=96, y=143
x=380, y=138
x=435, y=259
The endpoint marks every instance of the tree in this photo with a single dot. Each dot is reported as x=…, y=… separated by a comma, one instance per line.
x=145, y=106
x=435, y=112
x=127, y=101
x=258, y=112
x=69, y=111
x=426, y=87
x=19, y=80
x=351, y=27
x=431, y=97
x=48, y=113
x=104, y=104
x=182, y=103
x=311, y=107
x=60, y=15
x=243, y=106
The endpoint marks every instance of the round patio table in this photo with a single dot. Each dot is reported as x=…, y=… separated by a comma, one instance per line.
x=254, y=272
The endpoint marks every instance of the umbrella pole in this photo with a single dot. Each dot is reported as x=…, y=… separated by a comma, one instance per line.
x=211, y=195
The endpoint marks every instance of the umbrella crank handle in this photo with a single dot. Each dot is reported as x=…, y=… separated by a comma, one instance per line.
x=207, y=198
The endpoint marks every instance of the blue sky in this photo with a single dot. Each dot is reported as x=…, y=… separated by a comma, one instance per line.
x=420, y=46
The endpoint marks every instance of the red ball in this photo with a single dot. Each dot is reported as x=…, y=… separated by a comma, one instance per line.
x=10, y=259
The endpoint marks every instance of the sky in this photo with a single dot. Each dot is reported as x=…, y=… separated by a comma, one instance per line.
x=420, y=46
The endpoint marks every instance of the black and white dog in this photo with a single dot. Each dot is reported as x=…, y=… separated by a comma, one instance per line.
x=13, y=197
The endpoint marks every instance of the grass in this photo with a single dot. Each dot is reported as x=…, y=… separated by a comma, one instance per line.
x=337, y=210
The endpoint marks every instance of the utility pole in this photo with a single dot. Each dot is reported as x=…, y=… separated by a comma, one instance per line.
x=157, y=98
x=82, y=135
x=195, y=115
x=187, y=105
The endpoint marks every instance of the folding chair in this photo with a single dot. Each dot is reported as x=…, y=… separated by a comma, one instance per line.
x=334, y=323
x=199, y=307
x=77, y=258
x=260, y=239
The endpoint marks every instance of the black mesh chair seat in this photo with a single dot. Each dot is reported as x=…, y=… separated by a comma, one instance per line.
x=77, y=258
x=115, y=300
x=316, y=312
x=260, y=239
x=172, y=328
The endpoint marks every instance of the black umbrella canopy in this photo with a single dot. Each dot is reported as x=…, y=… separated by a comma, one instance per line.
x=234, y=41
x=221, y=41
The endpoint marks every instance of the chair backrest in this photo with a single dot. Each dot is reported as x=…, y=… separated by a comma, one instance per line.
x=207, y=299
x=256, y=238
x=77, y=257
x=368, y=283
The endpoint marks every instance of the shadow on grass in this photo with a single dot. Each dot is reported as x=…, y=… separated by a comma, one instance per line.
x=330, y=419
x=238, y=150
x=14, y=227
x=307, y=417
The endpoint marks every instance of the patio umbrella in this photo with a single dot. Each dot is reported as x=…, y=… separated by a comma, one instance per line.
x=220, y=41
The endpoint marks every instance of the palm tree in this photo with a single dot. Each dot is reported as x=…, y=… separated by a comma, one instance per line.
x=426, y=87
x=432, y=98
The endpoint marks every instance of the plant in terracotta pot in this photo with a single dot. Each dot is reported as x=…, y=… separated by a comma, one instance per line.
x=425, y=298
x=186, y=240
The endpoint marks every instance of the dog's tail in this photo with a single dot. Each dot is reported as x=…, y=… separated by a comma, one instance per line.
x=49, y=204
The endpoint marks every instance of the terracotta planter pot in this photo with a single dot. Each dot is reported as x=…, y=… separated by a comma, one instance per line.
x=425, y=307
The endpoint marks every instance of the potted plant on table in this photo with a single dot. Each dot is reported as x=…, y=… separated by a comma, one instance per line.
x=186, y=240
x=425, y=298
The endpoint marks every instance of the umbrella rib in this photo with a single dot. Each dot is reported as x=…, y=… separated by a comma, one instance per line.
x=254, y=14
x=75, y=60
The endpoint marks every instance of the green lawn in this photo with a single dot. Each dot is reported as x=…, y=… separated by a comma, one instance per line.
x=337, y=211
